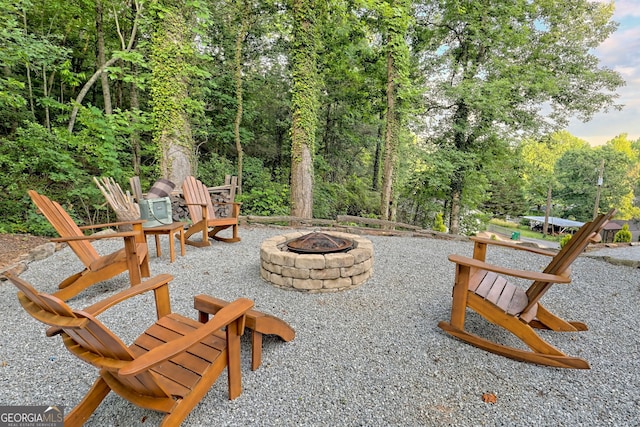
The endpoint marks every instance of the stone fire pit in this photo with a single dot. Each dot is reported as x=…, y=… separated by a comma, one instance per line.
x=316, y=272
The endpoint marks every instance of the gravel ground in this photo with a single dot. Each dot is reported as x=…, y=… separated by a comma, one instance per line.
x=371, y=356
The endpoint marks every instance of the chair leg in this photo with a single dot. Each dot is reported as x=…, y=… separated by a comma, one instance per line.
x=81, y=413
x=256, y=349
x=459, y=298
x=213, y=234
x=200, y=227
x=70, y=280
x=547, y=320
x=512, y=324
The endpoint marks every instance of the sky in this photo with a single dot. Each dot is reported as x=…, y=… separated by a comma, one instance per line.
x=620, y=52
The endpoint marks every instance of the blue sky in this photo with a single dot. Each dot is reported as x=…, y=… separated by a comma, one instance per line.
x=621, y=52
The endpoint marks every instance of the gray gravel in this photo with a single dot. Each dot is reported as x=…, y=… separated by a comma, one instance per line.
x=371, y=356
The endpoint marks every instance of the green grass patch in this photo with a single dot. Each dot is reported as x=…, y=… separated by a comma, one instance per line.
x=525, y=231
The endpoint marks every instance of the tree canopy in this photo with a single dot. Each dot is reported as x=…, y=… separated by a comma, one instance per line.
x=415, y=111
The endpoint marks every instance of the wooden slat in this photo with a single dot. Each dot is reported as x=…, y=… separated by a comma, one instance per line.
x=506, y=296
x=146, y=342
x=496, y=290
x=177, y=373
x=136, y=188
x=518, y=302
x=476, y=278
x=190, y=193
x=486, y=284
x=185, y=325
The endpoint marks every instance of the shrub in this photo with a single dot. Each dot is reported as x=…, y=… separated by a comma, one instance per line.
x=623, y=236
x=262, y=193
x=438, y=224
x=565, y=240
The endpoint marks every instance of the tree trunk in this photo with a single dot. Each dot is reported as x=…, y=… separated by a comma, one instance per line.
x=547, y=212
x=28, y=67
x=136, y=148
x=87, y=86
x=396, y=25
x=376, y=161
x=456, y=197
x=170, y=51
x=462, y=143
x=304, y=104
x=104, y=78
x=242, y=33
x=390, y=139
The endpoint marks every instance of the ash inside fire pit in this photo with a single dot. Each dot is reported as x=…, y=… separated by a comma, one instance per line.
x=319, y=243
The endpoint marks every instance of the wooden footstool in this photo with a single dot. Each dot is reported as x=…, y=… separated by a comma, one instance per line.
x=170, y=230
x=259, y=323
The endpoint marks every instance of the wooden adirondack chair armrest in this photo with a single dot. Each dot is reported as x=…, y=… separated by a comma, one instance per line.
x=214, y=203
x=151, y=284
x=96, y=237
x=148, y=285
x=112, y=224
x=512, y=245
x=226, y=203
x=204, y=212
x=224, y=317
x=524, y=274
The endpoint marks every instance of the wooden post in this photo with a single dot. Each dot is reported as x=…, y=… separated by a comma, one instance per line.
x=545, y=227
x=596, y=207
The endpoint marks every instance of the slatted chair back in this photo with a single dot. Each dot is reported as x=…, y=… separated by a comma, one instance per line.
x=65, y=226
x=563, y=260
x=136, y=188
x=196, y=194
x=122, y=204
x=87, y=338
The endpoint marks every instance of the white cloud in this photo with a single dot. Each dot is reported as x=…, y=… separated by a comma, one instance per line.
x=627, y=8
x=620, y=53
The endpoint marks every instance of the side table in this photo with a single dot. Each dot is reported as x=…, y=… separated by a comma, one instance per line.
x=170, y=230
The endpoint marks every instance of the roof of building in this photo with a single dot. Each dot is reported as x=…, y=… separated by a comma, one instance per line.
x=560, y=222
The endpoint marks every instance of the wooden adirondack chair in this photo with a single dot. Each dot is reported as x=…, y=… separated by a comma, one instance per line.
x=481, y=287
x=133, y=257
x=203, y=216
x=169, y=368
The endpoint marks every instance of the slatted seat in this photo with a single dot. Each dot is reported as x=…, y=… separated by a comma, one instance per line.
x=169, y=368
x=203, y=215
x=133, y=257
x=497, y=290
x=483, y=288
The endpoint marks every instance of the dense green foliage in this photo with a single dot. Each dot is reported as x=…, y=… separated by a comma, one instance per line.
x=448, y=93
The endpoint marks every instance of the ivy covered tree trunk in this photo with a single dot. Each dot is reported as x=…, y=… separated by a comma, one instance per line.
x=304, y=104
x=243, y=8
x=396, y=18
x=170, y=53
x=390, y=139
